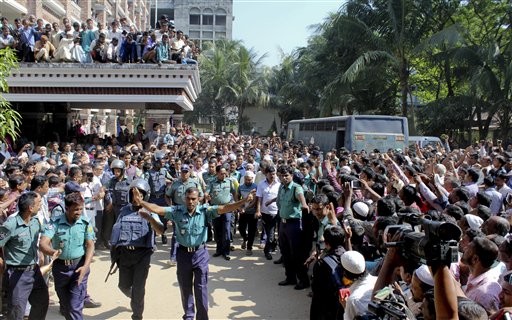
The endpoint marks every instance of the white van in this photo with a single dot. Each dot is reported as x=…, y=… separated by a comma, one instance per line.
x=423, y=141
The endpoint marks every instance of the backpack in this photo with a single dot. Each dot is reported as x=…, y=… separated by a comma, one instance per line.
x=336, y=272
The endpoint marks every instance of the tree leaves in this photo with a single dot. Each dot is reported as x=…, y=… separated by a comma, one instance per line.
x=10, y=119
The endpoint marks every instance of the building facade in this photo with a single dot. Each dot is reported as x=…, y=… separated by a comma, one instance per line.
x=203, y=20
x=135, y=11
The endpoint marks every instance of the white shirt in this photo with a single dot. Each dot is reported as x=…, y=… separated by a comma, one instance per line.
x=95, y=187
x=360, y=296
x=497, y=200
x=268, y=192
x=505, y=190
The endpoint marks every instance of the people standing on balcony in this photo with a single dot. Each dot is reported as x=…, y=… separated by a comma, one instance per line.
x=99, y=49
x=129, y=50
x=76, y=29
x=55, y=34
x=178, y=44
x=87, y=38
x=63, y=53
x=148, y=44
x=164, y=29
x=115, y=32
x=43, y=50
x=113, y=51
x=100, y=29
x=39, y=29
x=163, y=51
x=6, y=39
x=27, y=40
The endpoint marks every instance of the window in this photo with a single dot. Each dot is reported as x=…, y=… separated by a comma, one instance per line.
x=195, y=34
x=220, y=35
x=220, y=17
x=207, y=34
x=195, y=16
x=208, y=17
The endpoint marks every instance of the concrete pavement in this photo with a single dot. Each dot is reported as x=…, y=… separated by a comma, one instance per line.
x=243, y=288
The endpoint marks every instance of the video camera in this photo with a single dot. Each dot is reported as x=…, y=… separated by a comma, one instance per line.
x=438, y=244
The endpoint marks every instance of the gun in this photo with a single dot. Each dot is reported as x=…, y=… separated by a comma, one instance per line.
x=114, y=257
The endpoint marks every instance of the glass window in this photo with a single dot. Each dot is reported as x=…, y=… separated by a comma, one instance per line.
x=220, y=20
x=195, y=19
x=207, y=20
x=207, y=34
x=220, y=35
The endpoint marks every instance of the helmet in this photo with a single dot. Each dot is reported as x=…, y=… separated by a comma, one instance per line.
x=158, y=156
x=117, y=164
x=143, y=186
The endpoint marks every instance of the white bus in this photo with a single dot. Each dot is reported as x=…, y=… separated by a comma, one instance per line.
x=354, y=133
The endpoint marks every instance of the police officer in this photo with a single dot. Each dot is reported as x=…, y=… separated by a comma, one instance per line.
x=175, y=195
x=70, y=237
x=192, y=258
x=135, y=247
x=221, y=192
x=116, y=198
x=158, y=179
x=22, y=279
x=291, y=202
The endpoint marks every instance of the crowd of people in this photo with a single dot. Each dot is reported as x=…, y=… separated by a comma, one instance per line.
x=327, y=216
x=88, y=42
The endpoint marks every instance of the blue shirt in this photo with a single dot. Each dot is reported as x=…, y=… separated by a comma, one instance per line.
x=177, y=191
x=27, y=36
x=191, y=230
x=70, y=238
x=19, y=241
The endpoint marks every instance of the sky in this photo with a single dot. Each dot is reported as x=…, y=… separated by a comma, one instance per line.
x=267, y=25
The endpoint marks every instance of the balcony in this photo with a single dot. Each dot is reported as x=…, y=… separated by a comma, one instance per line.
x=103, y=85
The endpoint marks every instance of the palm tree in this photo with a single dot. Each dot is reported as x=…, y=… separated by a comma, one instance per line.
x=10, y=119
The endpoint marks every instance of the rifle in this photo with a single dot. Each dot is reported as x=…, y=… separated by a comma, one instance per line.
x=114, y=257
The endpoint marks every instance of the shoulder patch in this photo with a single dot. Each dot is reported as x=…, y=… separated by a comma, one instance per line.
x=89, y=229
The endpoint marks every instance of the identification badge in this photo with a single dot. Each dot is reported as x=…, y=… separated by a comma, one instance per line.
x=61, y=244
x=183, y=232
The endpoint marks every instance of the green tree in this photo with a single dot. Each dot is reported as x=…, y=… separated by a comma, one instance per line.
x=10, y=119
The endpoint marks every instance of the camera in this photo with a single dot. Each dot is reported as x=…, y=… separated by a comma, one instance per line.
x=438, y=244
x=355, y=184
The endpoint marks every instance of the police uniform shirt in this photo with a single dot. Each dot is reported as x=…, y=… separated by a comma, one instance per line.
x=177, y=191
x=157, y=181
x=221, y=191
x=70, y=238
x=209, y=178
x=191, y=230
x=19, y=240
x=287, y=201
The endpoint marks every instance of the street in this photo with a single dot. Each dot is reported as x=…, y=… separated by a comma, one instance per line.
x=243, y=288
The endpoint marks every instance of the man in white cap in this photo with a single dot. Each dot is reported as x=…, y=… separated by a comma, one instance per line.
x=361, y=285
x=422, y=281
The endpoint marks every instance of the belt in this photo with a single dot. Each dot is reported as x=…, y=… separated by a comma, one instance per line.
x=289, y=220
x=192, y=249
x=132, y=248
x=23, y=268
x=158, y=196
x=90, y=208
x=70, y=262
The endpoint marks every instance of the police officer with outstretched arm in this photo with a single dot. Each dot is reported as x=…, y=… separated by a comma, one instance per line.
x=133, y=243
x=70, y=239
x=23, y=280
x=191, y=222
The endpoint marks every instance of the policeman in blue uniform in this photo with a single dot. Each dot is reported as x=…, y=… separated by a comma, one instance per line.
x=116, y=197
x=220, y=192
x=191, y=222
x=158, y=179
x=22, y=279
x=133, y=242
x=175, y=195
x=70, y=238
